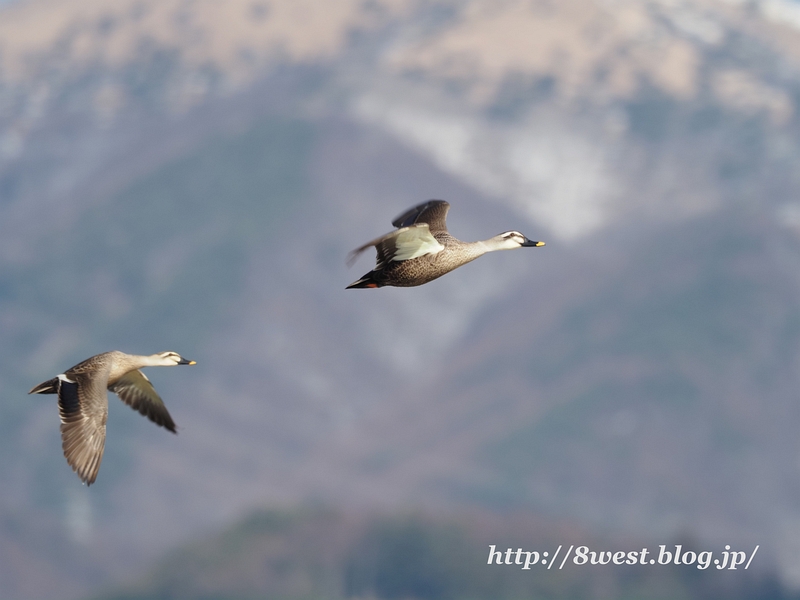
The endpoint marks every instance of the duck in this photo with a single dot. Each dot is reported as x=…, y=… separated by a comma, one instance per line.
x=421, y=249
x=83, y=402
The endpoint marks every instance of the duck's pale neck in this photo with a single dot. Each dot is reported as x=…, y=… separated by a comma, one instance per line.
x=471, y=250
x=138, y=361
x=468, y=251
x=498, y=242
x=156, y=360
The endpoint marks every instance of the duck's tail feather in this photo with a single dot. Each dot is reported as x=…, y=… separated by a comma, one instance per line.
x=367, y=281
x=48, y=387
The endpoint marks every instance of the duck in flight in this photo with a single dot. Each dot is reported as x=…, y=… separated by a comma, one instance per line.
x=421, y=249
x=83, y=402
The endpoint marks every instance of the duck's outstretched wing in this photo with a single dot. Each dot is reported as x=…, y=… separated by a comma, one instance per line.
x=83, y=407
x=135, y=390
x=432, y=212
x=403, y=244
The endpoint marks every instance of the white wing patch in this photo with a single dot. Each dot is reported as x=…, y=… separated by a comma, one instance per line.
x=413, y=242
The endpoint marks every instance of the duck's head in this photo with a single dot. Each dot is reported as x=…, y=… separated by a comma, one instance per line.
x=170, y=359
x=511, y=240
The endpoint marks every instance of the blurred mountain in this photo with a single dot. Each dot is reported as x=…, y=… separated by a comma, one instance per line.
x=190, y=176
x=318, y=553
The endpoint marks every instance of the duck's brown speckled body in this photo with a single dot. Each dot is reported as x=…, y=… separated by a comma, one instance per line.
x=83, y=402
x=421, y=249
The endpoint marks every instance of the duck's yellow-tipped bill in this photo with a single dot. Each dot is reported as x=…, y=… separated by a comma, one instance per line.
x=532, y=244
